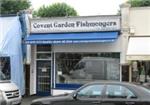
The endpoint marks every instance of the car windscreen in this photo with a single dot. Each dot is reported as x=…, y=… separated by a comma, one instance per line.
x=5, y=68
x=2, y=76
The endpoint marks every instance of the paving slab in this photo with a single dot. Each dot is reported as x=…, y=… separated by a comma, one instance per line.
x=26, y=100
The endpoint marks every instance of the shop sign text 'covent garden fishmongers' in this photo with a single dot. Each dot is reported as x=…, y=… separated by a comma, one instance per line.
x=75, y=24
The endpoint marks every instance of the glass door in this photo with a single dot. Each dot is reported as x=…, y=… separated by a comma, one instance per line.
x=43, y=65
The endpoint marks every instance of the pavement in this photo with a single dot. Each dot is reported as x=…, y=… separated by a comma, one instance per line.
x=26, y=100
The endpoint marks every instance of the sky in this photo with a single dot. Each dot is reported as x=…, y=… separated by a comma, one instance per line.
x=85, y=7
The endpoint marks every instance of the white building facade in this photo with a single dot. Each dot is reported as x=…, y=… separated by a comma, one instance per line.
x=136, y=23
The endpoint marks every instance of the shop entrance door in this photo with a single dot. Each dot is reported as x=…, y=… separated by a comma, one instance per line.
x=43, y=67
x=43, y=77
x=125, y=73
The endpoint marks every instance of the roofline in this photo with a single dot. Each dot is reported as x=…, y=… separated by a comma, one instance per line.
x=112, y=82
x=65, y=17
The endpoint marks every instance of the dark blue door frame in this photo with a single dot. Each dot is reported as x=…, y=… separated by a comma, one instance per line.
x=43, y=77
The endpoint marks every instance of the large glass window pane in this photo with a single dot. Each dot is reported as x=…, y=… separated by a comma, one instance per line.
x=85, y=67
x=5, y=68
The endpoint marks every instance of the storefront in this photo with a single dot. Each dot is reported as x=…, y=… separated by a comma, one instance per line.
x=11, y=63
x=136, y=30
x=138, y=54
x=70, y=51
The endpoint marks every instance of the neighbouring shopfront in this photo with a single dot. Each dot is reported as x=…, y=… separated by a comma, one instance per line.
x=11, y=63
x=70, y=51
x=138, y=56
x=136, y=29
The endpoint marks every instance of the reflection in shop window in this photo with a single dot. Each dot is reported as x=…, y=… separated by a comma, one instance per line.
x=86, y=67
x=5, y=68
x=80, y=65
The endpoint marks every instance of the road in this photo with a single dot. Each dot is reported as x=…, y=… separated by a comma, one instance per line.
x=27, y=100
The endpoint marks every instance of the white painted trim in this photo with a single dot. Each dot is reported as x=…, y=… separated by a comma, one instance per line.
x=59, y=91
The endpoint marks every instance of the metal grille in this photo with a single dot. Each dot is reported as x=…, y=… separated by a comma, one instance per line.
x=43, y=77
x=43, y=66
x=12, y=94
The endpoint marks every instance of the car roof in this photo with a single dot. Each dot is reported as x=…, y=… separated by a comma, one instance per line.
x=112, y=82
x=133, y=86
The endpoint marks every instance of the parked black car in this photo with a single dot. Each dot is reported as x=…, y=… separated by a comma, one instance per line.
x=101, y=93
x=147, y=85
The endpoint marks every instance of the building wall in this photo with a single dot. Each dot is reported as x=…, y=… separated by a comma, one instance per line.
x=125, y=31
x=140, y=20
x=134, y=22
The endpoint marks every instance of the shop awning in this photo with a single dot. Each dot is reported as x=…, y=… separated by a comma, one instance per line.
x=138, y=48
x=57, y=38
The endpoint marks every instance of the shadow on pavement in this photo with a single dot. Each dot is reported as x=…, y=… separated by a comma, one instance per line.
x=26, y=100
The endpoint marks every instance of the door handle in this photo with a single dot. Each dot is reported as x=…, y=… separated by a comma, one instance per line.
x=96, y=102
x=130, y=103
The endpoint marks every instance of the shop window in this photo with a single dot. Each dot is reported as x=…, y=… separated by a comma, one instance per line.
x=81, y=65
x=80, y=68
x=140, y=71
x=5, y=68
x=125, y=73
